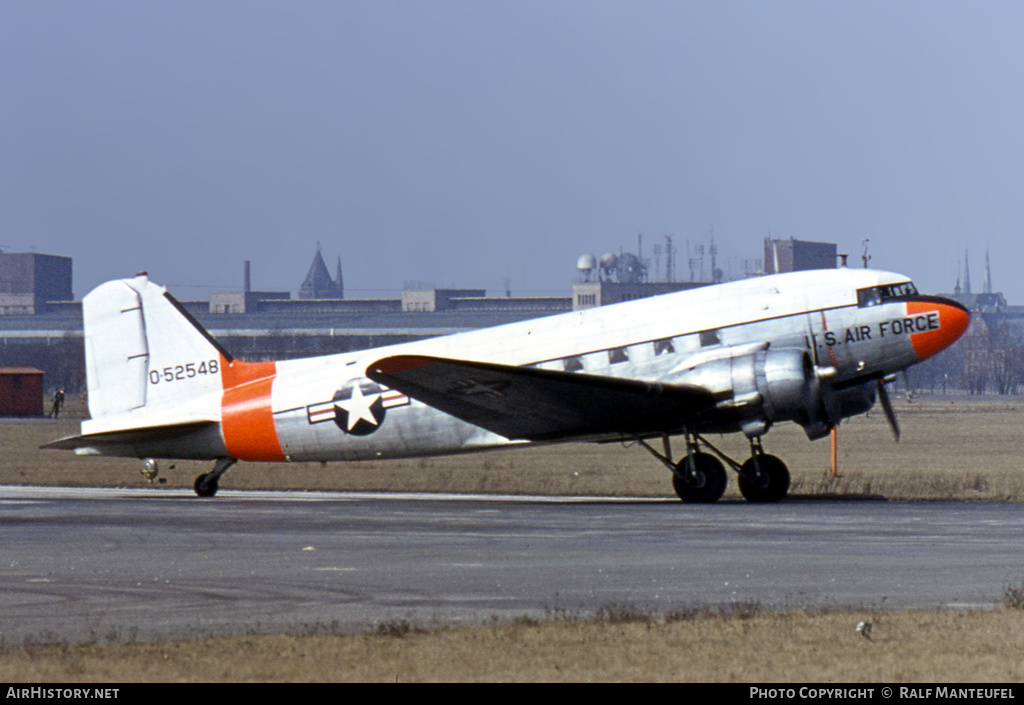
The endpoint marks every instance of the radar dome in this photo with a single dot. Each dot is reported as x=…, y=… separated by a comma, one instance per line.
x=631, y=270
x=586, y=264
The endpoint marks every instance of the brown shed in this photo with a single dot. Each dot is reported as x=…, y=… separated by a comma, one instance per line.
x=21, y=391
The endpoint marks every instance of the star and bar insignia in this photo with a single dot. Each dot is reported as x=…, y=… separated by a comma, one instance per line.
x=358, y=407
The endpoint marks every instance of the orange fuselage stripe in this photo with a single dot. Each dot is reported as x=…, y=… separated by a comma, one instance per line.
x=247, y=420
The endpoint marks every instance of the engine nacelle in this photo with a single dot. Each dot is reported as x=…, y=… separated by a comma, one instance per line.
x=838, y=404
x=765, y=386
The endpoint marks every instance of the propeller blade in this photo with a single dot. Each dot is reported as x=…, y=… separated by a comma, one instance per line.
x=890, y=413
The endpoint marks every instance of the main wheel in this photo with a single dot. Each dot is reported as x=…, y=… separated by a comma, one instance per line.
x=764, y=478
x=205, y=486
x=701, y=481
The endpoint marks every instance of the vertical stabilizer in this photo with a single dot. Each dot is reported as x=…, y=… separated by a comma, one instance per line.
x=147, y=358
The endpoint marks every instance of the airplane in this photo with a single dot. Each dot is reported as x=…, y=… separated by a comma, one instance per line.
x=809, y=347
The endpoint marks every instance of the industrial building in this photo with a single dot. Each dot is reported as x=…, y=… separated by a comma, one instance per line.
x=28, y=281
x=798, y=255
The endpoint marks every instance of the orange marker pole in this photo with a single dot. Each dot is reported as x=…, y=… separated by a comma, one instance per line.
x=835, y=450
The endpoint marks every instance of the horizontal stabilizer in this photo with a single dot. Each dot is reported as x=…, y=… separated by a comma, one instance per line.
x=171, y=435
x=541, y=405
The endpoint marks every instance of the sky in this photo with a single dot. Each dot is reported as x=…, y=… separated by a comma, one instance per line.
x=479, y=143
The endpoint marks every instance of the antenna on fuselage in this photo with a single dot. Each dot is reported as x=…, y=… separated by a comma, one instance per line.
x=865, y=257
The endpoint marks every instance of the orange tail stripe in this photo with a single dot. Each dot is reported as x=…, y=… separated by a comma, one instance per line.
x=247, y=420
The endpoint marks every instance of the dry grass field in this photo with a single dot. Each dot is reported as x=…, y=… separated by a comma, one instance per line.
x=919, y=646
x=952, y=448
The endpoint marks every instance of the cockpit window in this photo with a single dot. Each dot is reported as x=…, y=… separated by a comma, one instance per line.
x=874, y=295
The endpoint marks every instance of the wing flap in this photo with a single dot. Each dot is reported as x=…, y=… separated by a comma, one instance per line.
x=541, y=405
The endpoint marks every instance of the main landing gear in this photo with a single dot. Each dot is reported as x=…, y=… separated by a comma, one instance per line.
x=700, y=478
x=763, y=477
x=207, y=484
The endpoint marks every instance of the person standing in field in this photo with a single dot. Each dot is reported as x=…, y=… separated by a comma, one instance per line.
x=58, y=402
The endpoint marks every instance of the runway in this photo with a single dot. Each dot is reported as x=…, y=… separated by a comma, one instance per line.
x=102, y=564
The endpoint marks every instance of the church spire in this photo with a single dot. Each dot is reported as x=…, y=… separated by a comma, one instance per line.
x=318, y=283
x=967, y=273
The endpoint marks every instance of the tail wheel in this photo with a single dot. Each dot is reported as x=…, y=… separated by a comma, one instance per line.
x=699, y=479
x=764, y=478
x=206, y=486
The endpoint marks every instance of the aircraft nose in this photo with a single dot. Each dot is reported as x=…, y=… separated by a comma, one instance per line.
x=940, y=323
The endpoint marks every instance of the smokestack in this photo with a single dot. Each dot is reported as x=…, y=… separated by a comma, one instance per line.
x=247, y=284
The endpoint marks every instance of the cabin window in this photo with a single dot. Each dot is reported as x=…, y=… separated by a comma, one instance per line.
x=572, y=364
x=709, y=337
x=618, y=355
x=663, y=347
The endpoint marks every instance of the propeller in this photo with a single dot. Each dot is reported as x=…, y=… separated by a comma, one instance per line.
x=890, y=413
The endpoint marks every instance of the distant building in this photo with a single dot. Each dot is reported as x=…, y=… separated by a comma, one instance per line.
x=601, y=293
x=319, y=284
x=245, y=301
x=431, y=299
x=798, y=255
x=622, y=277
x=21, y=391
x=990, y=355
x=29, y=281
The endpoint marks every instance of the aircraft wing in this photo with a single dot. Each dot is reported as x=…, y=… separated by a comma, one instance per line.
x=541, y=405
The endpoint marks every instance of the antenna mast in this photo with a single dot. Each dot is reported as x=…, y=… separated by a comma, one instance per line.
x=670, y=260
